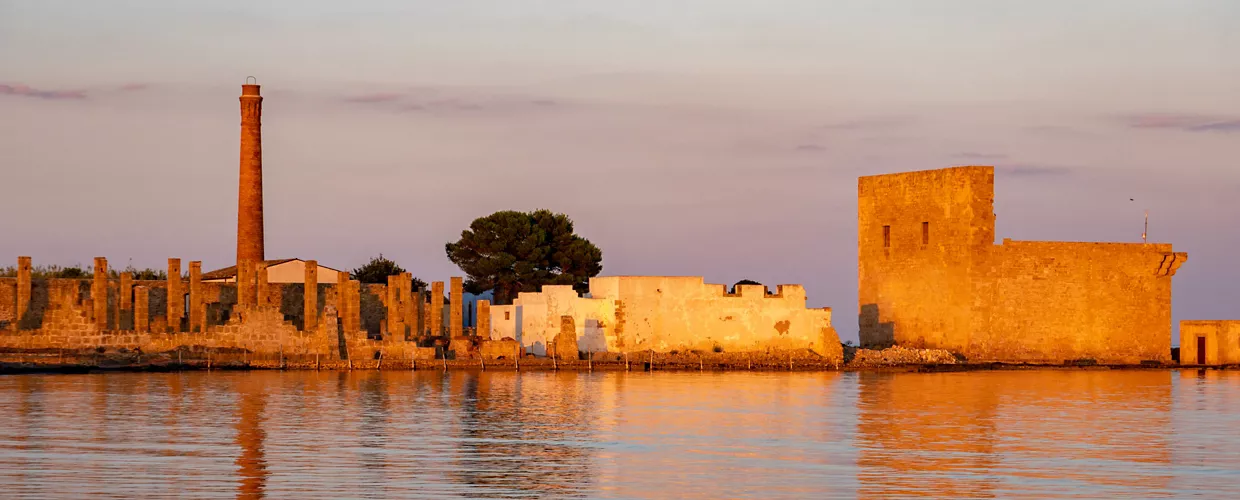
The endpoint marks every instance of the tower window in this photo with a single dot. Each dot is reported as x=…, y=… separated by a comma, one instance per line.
x=925, y=233
x=886, y=236
x=506, y=318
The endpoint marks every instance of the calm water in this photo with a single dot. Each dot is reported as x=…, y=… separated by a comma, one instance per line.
x=1086, y=434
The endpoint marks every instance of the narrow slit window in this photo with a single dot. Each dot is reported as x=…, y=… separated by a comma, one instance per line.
x=886, y=236
x=506, y=318
x=925, y=233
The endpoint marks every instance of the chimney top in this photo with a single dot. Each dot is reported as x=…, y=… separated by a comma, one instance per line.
x=249, y=89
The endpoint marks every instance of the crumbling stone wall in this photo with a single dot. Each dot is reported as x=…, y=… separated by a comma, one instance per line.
x=930, y=276
x=1221, y=339
x=660, y=313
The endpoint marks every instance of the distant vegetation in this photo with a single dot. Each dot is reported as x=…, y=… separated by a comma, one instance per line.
x=743, y=282
x=79, y=272
x=510, y=252
x=378, y=270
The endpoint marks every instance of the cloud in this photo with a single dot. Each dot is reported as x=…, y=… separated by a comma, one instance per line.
x=1185, y=122
x=374, y=97
x=810, y=148
x=130, y=87
x=450, y=100
x=876, y=122
x=1033, y=170
x=980, y=156
x=25, y=91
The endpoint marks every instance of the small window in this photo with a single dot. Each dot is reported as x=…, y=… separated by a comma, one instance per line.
x=925, y=233
x=886, y=236
x=506, y=315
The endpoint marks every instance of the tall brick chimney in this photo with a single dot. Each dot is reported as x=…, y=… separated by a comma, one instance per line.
x=250, y=189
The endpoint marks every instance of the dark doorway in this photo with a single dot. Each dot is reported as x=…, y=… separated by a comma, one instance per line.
x=1201, y=350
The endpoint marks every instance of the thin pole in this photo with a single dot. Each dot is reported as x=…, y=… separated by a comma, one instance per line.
x=651, y=360
x=379, y=365
x=626, y=361
x=445, y=359
x=591, y=360
x=1147, y=226
x=517, y=357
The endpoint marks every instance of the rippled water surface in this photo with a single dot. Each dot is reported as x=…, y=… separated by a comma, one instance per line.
x=1035, y=434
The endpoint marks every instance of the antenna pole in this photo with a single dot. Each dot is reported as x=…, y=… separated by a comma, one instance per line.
x=1147, y=226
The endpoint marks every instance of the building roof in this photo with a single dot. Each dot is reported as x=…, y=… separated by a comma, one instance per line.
x=231, y=271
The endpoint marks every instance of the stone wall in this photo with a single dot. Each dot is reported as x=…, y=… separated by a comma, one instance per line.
x=930, y=276
x=1221, y=339
x=81, y=314
x=636, y=313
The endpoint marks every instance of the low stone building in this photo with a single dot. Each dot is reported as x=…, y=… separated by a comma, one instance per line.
x=666, y=313
x=278, y=271
x=1210, y=342
x=931, y=276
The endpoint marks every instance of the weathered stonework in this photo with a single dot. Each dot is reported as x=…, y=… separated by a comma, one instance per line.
x=484, y=319
x=408, y=307
x=197, y=310
x=500, y=349
x=141, y=310
x=564, y=345
x=436, y=309
x=1210, y=342
x=23, y=292
x=175, y=304
x=247, y=294
x=669, y=313
x=250, y=179
x=99, y=293
x=262, y=292
x=126, y=313
x=931, y=276
x=455, y=301
x=310, y=304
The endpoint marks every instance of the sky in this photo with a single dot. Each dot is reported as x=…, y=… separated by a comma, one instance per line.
x=720, y=138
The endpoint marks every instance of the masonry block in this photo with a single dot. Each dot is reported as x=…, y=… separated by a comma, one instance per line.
x=23, y=292
x=484, y=319
x=456, y=302
x=436, y=309
x=99, y=293
x=197, y=306
x=311, y=306
x=246, y=293
x=565, y=343
x=176, y=296
x=262, y=293
x=141, y=309
x=125, y=304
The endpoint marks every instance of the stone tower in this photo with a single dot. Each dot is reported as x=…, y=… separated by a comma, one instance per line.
x=250, y=188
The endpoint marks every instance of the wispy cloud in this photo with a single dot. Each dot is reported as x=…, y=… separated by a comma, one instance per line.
x=1186, y=122
x=979, y=156
x=1033, y=170
x=810, y=148
x=26, y=91
x=374, y=97
x=131, y=87
x=447, y=100
x=870, y=123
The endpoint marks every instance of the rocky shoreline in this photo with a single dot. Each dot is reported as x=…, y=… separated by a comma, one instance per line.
x=897, y=358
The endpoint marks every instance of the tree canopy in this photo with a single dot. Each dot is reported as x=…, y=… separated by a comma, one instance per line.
x=743, y=282
x=378, y=270
x=511, y=252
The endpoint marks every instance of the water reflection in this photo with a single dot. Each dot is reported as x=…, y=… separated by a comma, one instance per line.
x=251, y=462
x=620, y=435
